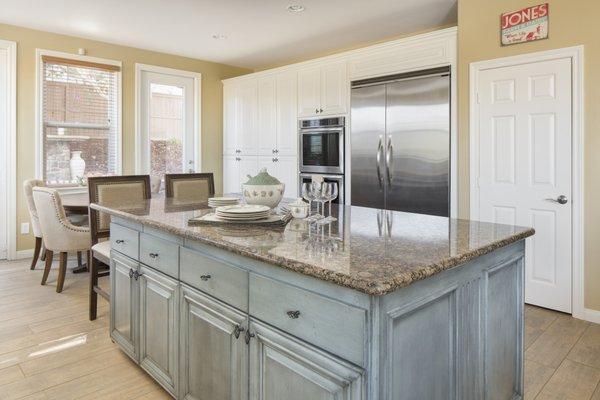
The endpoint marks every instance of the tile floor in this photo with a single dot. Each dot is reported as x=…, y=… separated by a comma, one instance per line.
x=50, y=350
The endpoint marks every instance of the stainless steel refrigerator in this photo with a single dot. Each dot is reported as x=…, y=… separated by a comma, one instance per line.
x=400, y=143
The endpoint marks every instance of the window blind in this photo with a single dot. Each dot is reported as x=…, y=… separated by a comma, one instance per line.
x=80, y=125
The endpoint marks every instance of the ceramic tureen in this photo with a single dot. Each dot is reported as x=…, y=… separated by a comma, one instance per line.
x=263, y=189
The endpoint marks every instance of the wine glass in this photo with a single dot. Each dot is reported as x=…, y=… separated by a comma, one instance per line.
x=331, y=194
x=309, y=194
x=317, y=189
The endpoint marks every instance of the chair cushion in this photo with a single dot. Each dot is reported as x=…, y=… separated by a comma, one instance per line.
x=101, y=251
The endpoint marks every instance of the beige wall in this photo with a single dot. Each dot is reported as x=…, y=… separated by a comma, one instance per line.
x=27, y=42
x=572, y=23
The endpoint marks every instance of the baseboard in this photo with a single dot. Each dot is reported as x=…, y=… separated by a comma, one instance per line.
x=591, y=315
x=28, y=253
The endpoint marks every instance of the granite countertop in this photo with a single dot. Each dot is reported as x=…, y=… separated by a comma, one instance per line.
x=372, y=251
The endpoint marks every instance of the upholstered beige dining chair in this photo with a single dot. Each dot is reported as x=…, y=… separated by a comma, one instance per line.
x=108, y=189
x=190, y=187
x=60, y=235
x=28, y=186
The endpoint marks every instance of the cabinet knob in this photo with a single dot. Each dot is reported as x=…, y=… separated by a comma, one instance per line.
x=274, y=159
x=316, y=110
x=237, y=330
x=136, y=275
x=130, y=273
x=273, y=151
x=153, y=255
x=293, y=314
x=237, y=159
x=320, y=110
x=205, y=277
x=119, y=241
x=248, y=336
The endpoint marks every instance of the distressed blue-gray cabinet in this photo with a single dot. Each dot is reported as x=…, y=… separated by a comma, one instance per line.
x=208, y=324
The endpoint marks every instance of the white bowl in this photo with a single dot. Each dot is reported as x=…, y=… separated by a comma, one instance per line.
x=266, y=195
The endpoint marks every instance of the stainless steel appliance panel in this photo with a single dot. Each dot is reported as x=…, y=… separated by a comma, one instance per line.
x=417, y=145
x=368, y=146
x=321, y=145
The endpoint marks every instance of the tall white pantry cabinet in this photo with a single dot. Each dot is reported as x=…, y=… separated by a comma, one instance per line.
x=261, y=114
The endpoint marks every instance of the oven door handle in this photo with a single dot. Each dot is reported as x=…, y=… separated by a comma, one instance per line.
x=378, y=161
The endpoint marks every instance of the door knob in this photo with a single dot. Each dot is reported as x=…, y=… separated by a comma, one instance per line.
x=562, y=199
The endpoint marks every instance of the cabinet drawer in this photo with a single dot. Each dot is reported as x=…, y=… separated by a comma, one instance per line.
x=223, y=281
x=160, y=254
x=326, y=323
x=125, y=240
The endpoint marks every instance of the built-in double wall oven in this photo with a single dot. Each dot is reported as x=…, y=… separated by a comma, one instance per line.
x=321, y=144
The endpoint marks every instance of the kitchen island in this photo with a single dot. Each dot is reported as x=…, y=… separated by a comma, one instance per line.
x=377, y=305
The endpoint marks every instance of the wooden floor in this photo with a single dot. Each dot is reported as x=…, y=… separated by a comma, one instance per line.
x=50, y=350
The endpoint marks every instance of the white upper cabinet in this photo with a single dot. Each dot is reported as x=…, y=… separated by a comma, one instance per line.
x=229, y=133
x=267, y=115
x=334, y=89
x=309, y=92
x=287, y=121
x=246, y=118
x=322, y=90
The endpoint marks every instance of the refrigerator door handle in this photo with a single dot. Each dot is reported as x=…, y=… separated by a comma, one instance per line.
x=389, y=159
x=378, y=159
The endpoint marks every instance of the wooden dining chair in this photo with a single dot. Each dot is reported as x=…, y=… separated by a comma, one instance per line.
x=195, y=187
x=108, y=189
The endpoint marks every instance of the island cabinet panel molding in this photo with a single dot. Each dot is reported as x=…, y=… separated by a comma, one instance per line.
x=218, y=317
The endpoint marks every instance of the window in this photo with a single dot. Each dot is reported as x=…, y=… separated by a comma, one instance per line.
x=80, y=119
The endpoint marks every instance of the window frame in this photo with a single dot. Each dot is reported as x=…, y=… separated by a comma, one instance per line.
x=39, y=107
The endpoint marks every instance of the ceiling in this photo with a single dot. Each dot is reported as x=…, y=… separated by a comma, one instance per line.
x=258, y=32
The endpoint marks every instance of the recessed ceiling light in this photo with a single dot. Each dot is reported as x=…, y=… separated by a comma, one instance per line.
x=295, y=8
x=219, y=36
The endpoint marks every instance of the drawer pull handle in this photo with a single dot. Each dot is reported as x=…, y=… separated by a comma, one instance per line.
x=237, y=330
x=153, y=255
x=119, y=241
x=293, y=314
x=205, y=277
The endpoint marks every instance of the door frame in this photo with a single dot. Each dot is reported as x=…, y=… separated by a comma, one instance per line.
x=139, y=69
x=575, y=53
x=10, y=151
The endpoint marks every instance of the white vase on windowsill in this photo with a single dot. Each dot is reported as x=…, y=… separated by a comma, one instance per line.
x=77, y=166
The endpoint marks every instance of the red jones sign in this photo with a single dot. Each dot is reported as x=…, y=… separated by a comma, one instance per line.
x=525, y=25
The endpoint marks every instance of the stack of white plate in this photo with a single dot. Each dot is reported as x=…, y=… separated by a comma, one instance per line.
x=215, y=202
x=243, y=212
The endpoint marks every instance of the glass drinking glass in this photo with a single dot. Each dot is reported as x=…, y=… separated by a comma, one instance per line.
x=317, y=189
x=332, y=194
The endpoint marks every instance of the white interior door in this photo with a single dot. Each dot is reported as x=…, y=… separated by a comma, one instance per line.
x=4, y=163
x=167, y=132
x=524, y=169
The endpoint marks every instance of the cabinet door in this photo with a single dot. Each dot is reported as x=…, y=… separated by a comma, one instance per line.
x=334, y=91
x=287, y=172
x=159, y=323
x=282, y=367
x=124, y=297
x=214, y=356
x=247, y=118
x=309, y=92
x=267, y=163
x=231, y=174
x=287, y=111
x=267, y=118
x=229, y=118
x=248, y=166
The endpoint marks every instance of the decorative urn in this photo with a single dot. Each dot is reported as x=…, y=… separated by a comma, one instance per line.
x=263, y=189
